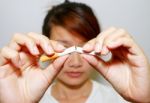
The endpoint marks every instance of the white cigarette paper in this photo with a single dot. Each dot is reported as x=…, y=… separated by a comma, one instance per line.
x=67, y=51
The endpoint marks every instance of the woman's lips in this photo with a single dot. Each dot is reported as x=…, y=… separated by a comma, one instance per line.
x=74, y=74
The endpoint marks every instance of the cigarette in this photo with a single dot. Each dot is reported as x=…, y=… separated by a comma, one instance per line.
x=72, y=49
x=44, y=58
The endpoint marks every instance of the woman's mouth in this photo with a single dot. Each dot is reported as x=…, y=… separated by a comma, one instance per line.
x=74, y=74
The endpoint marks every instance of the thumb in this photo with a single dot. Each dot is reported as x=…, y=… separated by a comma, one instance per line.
x=52, y=70
x=97, y=63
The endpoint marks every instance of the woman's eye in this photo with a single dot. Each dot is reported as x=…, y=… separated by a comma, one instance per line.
x=65, y=45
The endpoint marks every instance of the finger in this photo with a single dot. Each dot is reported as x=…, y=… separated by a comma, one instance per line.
x=105, y=50
x=97, y=63
x=23, y=40
x=2, y=60
x=101, y=37
x=43, y=42
x=58, y=47
x=89, y=46
x=111, y=37
x=12, y=55
x=125, y=42
x=115, y=35
x=14, y=46
x=52, y=70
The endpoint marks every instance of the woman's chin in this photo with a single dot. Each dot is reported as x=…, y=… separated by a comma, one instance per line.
x=74, y=83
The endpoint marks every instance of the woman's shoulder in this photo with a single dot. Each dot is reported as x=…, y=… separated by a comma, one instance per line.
x=47, y=97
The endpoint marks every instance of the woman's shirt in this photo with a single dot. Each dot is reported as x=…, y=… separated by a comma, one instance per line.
x=100, y=94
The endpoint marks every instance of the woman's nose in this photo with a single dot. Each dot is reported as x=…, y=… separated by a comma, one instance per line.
x=74, y=60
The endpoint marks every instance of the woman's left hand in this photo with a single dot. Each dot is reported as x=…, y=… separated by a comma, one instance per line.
x=128, y=70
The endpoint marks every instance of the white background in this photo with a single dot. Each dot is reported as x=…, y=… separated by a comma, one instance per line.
x=27, y=16
x=23, y=16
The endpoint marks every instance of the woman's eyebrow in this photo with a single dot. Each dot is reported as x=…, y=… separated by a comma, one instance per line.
x=64, y=41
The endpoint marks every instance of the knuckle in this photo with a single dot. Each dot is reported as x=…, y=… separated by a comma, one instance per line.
x=3, y=50
x=112, y=28
x=37, y=37
x=53, y=42
x=7, y=54
x=28, y=41
x=15, y=55
x=16, y=35
x=122, y=30
x=44, y=38
x=90, y=42
x=31, y=34
x=97, y=41
x=125, y=33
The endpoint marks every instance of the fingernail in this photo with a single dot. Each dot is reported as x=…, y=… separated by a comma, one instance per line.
x=35, y=50
x=97, y=48
x=16, y=61
x=61, y=47
x=20, y=63
x=110, y=44
x=104, y=51
x=87, y=47
x=50, y=51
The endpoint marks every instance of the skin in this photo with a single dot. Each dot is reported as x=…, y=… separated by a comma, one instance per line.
x=68, y=89
x=128, y=71
x=19, y=65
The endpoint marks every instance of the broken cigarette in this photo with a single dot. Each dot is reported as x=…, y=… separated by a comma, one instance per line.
x=72, y=49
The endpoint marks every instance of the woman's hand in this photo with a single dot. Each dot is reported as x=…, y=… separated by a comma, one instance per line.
x=128, y=71
x=21, y=78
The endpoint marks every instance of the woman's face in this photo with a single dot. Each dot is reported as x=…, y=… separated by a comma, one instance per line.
x=76, y=70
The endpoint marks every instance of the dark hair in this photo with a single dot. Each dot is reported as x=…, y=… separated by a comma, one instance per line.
x=74, y=17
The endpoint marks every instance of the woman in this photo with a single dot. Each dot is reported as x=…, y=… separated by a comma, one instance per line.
x=68, y=24
x=74, y=24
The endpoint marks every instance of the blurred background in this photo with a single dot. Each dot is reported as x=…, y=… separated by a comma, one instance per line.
x=27, y=16
x=23, y=16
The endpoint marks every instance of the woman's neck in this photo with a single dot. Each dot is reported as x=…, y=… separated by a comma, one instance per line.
x=61, y=91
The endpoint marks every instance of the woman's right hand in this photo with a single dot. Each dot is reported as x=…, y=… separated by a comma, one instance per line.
x=21, y=78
